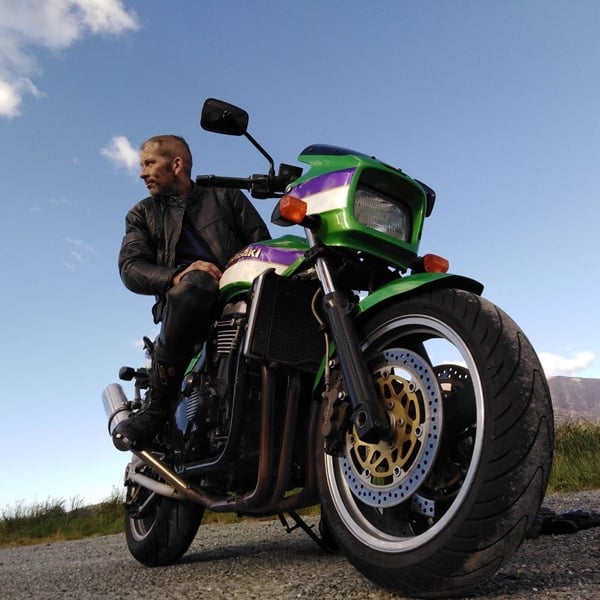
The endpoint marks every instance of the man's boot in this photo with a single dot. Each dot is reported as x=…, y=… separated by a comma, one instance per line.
x=141, y=427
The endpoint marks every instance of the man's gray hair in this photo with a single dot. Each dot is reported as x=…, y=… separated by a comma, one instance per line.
x=171, y=146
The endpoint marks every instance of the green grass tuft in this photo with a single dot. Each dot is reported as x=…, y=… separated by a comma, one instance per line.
x=576, y=464
x=50, y=521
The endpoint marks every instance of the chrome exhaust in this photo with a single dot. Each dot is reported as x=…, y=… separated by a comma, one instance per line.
x=133, y=474
x=116, y=407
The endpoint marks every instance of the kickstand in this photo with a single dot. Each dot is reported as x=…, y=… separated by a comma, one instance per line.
x=308, y=529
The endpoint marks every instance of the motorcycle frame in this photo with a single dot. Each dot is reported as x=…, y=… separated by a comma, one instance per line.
x=267, y=498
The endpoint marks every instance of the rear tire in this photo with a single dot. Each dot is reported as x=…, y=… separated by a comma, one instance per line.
x=440, y=507
x=164, y=530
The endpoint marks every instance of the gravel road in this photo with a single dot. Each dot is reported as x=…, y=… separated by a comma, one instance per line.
x=260, y=560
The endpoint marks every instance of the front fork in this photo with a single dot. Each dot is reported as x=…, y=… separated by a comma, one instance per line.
x=369, y=417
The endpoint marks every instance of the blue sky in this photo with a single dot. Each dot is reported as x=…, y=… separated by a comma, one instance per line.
x=493, y=104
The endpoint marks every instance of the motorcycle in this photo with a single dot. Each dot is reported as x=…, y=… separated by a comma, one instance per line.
x=342, y=370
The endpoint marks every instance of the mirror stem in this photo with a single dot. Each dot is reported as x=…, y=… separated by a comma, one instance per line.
x=263, y=152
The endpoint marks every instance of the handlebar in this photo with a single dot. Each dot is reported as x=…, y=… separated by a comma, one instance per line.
x=243, y=183
x=260, y=186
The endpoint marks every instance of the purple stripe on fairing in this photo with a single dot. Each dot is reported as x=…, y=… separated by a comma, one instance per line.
x=281, y=256
x=324, y=182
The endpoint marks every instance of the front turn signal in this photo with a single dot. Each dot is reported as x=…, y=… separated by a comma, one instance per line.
x=292, y=209
x=432, y=263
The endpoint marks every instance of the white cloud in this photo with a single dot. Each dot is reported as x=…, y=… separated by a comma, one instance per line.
x=120, y=151
x=78, y=255
x=11, y=96
x=561, y=365
x=80, y=244
x=10, y=100
x=50, y=24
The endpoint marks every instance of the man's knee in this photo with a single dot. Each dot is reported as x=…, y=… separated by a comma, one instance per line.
x=196, y=290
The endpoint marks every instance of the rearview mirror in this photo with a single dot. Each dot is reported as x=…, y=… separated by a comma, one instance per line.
x=222, y=117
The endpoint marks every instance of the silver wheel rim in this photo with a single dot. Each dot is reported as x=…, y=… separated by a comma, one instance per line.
x=349, y=506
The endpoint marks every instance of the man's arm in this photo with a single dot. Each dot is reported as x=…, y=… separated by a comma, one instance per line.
x=250, y=225
x=138, y=258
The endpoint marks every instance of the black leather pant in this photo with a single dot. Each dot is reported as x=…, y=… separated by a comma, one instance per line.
x=186, y=318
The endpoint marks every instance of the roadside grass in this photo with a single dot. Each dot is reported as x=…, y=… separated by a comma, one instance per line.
x=50, y=521
x=576, y=463
x=576, y=467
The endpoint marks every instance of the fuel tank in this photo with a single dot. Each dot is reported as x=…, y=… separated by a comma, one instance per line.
x=280, y=254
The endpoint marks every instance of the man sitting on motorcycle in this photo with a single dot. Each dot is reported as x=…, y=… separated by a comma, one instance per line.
x=177, y=242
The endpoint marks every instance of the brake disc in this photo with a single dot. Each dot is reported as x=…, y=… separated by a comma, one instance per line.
x=389, y=472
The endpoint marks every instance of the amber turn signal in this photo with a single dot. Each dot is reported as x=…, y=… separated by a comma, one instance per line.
x=432, y=263
x=292, y=209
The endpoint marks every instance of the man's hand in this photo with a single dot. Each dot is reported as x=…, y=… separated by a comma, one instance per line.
x=199, y=265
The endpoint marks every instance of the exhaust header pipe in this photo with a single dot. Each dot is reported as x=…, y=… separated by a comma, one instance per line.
x=116, y=407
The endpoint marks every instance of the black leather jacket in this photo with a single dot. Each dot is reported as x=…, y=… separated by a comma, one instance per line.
x=223, y=218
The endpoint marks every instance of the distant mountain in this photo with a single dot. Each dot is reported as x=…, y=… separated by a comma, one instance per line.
x=575, y=399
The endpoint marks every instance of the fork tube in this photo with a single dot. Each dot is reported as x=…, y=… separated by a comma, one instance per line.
x=321, y=265
x=370, y=419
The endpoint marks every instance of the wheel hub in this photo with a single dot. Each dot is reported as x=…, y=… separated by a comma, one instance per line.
x=388, y=472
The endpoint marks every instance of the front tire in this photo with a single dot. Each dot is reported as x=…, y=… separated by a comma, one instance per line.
x=441, y=505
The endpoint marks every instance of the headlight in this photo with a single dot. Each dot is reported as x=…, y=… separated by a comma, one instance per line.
x=374, y=210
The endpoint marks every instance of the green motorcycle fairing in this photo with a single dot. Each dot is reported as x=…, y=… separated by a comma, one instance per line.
x=362, y=203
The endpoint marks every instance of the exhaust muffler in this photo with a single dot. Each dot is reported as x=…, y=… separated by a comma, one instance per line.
x=116, y=407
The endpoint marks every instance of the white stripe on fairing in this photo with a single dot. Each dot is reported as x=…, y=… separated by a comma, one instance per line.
x=247, y=271
x=327, y=200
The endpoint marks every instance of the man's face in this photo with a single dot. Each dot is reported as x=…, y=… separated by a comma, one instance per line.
x=157, y=171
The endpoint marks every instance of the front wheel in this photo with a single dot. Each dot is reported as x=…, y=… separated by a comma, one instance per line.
x=441, y=504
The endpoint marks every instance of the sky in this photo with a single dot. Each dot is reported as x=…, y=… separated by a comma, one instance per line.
x=492, y=104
